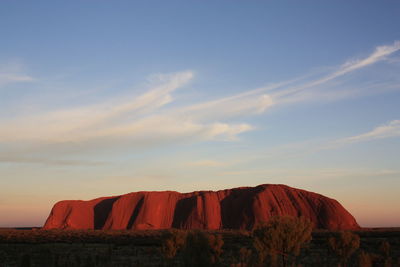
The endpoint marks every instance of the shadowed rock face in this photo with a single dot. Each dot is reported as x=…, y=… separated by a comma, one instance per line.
x=238, y=208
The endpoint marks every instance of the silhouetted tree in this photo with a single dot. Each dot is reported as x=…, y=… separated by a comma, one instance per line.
x=245, y=257
x=364, y=259
x=173, y=241
x=385, y=250
x=215, y=243
x=344, y=245
x=202, y=249
x=278, y=242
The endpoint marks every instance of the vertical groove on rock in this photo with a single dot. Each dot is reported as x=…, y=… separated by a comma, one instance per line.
x=102, y=211
x=135, y=213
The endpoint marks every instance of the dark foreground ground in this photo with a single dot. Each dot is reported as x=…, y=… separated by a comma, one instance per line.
x=96, y=248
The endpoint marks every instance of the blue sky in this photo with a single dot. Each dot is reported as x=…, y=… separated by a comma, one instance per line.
x=102, y=98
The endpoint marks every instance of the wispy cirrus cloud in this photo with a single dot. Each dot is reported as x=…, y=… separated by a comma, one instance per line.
x=13, y=73
x=388, y=130
x=151, y=119
x=138, y=121
x=380, y=53
x=300, y=89
x=6, y=78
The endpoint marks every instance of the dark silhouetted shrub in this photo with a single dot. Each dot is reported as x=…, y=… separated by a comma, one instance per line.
x=279, y=241
x=215, y=243
x=364, y=259
x=26, y=261
x=174, y=241
x=245, y=258
x=385, y=250
x=202, y=249
x=344, y=245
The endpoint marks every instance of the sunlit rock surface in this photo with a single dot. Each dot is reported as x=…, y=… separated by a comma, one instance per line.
x=237, y=208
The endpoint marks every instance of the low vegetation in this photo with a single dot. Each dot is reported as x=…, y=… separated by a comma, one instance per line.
x=174, y=241
x=283, y=241
x=364, y=259
x=278, y=242
x=81, y=236
x=195, y=248
x=344, y=245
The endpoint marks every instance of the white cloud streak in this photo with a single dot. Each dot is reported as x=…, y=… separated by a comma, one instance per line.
x=6, y=78
x=380, y=53
x=388, y=130
x=300, y=149
x=150, y=119
x=136, y=121
x=391, y=129
x=12, y=73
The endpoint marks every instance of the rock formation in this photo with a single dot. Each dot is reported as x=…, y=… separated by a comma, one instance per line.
x=238, y=208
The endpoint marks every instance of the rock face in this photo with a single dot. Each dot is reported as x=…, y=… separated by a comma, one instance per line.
x=238, y=208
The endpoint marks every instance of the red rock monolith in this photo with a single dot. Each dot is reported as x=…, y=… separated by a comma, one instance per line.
x=238, y=208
